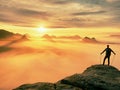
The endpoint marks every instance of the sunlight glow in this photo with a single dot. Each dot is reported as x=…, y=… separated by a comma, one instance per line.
x=41, y=29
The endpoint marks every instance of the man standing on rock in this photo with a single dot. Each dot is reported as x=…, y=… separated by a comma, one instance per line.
x=108, y=54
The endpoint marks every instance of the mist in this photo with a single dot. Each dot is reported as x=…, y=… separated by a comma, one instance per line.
x=45, y=61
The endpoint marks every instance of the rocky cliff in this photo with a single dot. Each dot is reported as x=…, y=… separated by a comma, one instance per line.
x=96, y=77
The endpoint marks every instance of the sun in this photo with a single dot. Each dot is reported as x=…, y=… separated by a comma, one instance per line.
x=41, y=29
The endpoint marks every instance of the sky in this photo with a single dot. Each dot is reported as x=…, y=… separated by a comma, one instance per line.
x=58, y=14
x=47, y=40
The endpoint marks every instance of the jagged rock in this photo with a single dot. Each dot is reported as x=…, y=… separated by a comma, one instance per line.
x=46, y=86
x=36, y=86
x=96, y=77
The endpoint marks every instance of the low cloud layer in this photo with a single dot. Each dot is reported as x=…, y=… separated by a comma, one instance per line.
x=43, y=59
x=37, y=61
x=115, y=36
x=70, y=38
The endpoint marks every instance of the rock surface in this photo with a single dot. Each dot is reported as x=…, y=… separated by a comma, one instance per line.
x=96, y=77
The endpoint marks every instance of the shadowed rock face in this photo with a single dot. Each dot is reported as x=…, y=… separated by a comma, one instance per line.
x=36, y=86
x=96, y=77
x=47, y=86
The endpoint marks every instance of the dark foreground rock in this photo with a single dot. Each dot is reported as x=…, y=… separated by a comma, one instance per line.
x=97, y=77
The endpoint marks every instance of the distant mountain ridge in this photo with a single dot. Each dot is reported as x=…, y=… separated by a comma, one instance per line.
x=96, y=77
x=7, y=35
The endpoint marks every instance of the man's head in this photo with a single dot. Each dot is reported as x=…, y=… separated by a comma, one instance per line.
x=107, y=46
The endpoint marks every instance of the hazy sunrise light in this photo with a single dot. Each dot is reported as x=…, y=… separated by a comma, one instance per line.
x=42, y=29
x=47, y=40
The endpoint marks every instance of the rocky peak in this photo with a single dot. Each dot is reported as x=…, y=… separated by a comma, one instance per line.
x=96, y=77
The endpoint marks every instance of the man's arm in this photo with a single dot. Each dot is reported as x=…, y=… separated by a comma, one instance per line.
x=103, y=51
x=113, y=52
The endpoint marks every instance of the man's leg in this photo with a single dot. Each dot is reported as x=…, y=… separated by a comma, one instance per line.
x=55, y=86
x=108, y=60
x=104, y=60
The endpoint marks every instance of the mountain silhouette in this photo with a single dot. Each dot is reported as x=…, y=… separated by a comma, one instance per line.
x=6, y=47
x=11, y=38
x=90, y=40
x=96, y=77
x=5, y=34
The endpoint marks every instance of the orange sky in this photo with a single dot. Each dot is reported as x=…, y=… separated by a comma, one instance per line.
x=73, y=34
x=24, y=16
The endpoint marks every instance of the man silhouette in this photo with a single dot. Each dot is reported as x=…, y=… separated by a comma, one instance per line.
x=108, y=54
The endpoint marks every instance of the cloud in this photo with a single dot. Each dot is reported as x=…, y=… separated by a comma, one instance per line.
x=10, y=17
x=62, y=39
x=22, y=16
x=94, y=41
x=5, y=49
x=81, y=13
x=88, y=13
x=75, y=37
x=33, y=13
x=16, y=22
x=104, y=12
x=63, y=59
x=38, y=57
x=56, y=2
x=115, y=36
x=72, y=19
x=112, y=0
x=99, y=2
x=20, y=62
x=72, y=22
x=82, y=21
